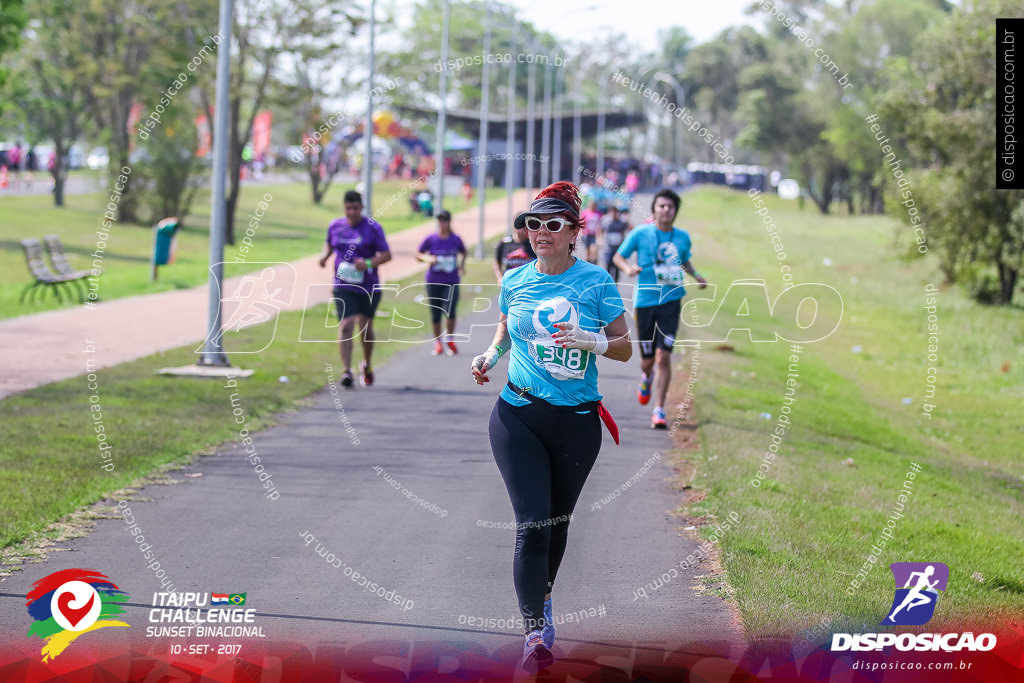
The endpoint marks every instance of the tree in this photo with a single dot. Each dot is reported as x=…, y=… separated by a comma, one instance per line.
x=939, y=107
x=12, y=21
x=47, y=80
x=264, y=31
x=417, y=60
x=169, y=166
x=120, y=40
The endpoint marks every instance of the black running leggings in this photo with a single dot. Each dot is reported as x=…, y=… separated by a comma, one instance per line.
x=544, y=453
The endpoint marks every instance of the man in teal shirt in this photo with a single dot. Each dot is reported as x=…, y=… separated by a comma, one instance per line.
x=663, y=255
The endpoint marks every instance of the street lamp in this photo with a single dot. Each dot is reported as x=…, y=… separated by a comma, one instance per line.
x=577, y=125
x=601, y=118
x=481, y=171
x=368, y=127
x=442, y=107
x=510, y=134
x=556, y=121
x=545, y=162
x=530, y=87
x=678, y=137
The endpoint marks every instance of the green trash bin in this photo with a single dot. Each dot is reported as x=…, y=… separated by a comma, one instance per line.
x=163, y=244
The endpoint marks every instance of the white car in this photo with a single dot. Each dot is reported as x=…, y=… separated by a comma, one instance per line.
x=98, y=158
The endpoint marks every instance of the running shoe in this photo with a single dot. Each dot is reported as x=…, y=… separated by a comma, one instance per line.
x=643, y=394
x=347, y=380
x=367, y=374
x=658, y=419
x=548, y=633
x=536, y=656
x=452, y=350
x=438, y=349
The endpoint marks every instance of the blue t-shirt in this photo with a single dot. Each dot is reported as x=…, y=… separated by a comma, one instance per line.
x=584, y=295
x=661, y=255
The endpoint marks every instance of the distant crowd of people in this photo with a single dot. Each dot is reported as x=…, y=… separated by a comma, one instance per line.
x=20, y=163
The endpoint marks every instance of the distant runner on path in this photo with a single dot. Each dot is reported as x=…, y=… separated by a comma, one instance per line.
x=512, y=253
x=446, y=254
x=545, y=428
x=663, y=254
x=359, y=248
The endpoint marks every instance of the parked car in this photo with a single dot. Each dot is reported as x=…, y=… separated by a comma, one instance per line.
x=98, y=158
x=76, y=158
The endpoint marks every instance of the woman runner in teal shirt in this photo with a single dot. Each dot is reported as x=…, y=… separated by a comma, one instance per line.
x=545, y=429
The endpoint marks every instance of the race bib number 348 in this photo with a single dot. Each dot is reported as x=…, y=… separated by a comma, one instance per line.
x=559, y=362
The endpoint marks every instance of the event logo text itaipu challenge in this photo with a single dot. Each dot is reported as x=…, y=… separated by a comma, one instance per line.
x=71, y=603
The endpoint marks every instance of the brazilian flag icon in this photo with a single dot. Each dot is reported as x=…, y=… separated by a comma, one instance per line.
x=237, y=598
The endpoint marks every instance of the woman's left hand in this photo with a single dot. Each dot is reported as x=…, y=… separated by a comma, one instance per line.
x=571, y=336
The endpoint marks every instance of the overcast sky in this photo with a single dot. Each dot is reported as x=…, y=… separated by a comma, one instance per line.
x=640, y=20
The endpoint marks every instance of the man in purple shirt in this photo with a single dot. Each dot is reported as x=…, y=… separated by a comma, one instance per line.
x=359, y=248
x=446, y=254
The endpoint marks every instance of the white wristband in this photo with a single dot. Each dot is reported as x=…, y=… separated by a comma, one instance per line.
x=600, y=343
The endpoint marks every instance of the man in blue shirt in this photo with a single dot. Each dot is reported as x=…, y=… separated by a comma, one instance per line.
x=663, y=255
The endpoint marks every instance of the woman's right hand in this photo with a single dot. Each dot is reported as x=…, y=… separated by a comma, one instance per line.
x=482, y=363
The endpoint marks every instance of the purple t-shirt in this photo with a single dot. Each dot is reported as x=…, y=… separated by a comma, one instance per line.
x=353, y=243
x=447, y=250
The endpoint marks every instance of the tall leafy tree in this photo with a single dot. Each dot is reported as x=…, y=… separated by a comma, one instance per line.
x=120, y=39
x=940, y=107
x=266, y=33
x=12, y=21
x=48, y=80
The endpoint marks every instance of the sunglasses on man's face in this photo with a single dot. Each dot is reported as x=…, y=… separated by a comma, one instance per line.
x=552, y=224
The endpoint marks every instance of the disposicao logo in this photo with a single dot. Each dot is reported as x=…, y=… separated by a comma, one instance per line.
x=70, y=603
x=917, y=592
x=914, y=603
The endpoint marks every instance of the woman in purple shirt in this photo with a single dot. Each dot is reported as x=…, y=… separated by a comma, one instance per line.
x=446, y=254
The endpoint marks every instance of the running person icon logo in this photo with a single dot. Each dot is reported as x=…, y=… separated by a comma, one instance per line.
x=914, y=603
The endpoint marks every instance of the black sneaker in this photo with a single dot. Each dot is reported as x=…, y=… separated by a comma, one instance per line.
x=347, y=379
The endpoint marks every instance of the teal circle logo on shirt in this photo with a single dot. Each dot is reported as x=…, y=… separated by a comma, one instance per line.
x=551, y=311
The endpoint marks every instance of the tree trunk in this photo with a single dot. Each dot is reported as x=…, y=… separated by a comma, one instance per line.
x=58, y=184
x=234, y=173
x=1007, y=281
x=59, y=173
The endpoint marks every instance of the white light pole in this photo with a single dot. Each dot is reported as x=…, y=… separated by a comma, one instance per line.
x=510, y=134
x=601, y=118
x=577, y=124
x=481, y=171
x=545, y=164
x=531, y=86
x=441, y=108
x=213, y=349
x=368, y=129
x=556, y=121
x=678, y=137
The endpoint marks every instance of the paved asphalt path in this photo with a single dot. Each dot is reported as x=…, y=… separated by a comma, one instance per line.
x=425, y=424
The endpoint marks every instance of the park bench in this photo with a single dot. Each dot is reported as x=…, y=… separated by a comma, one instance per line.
x=59, y=260
x=42, y=275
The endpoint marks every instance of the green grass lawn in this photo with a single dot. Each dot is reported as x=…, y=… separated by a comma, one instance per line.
x=807, y=530
x=50, y=464
x=292, y=228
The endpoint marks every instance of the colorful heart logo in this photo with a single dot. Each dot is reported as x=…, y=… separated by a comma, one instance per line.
x=73, y=615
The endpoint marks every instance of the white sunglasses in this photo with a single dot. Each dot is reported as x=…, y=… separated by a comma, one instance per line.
x=534, y=224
